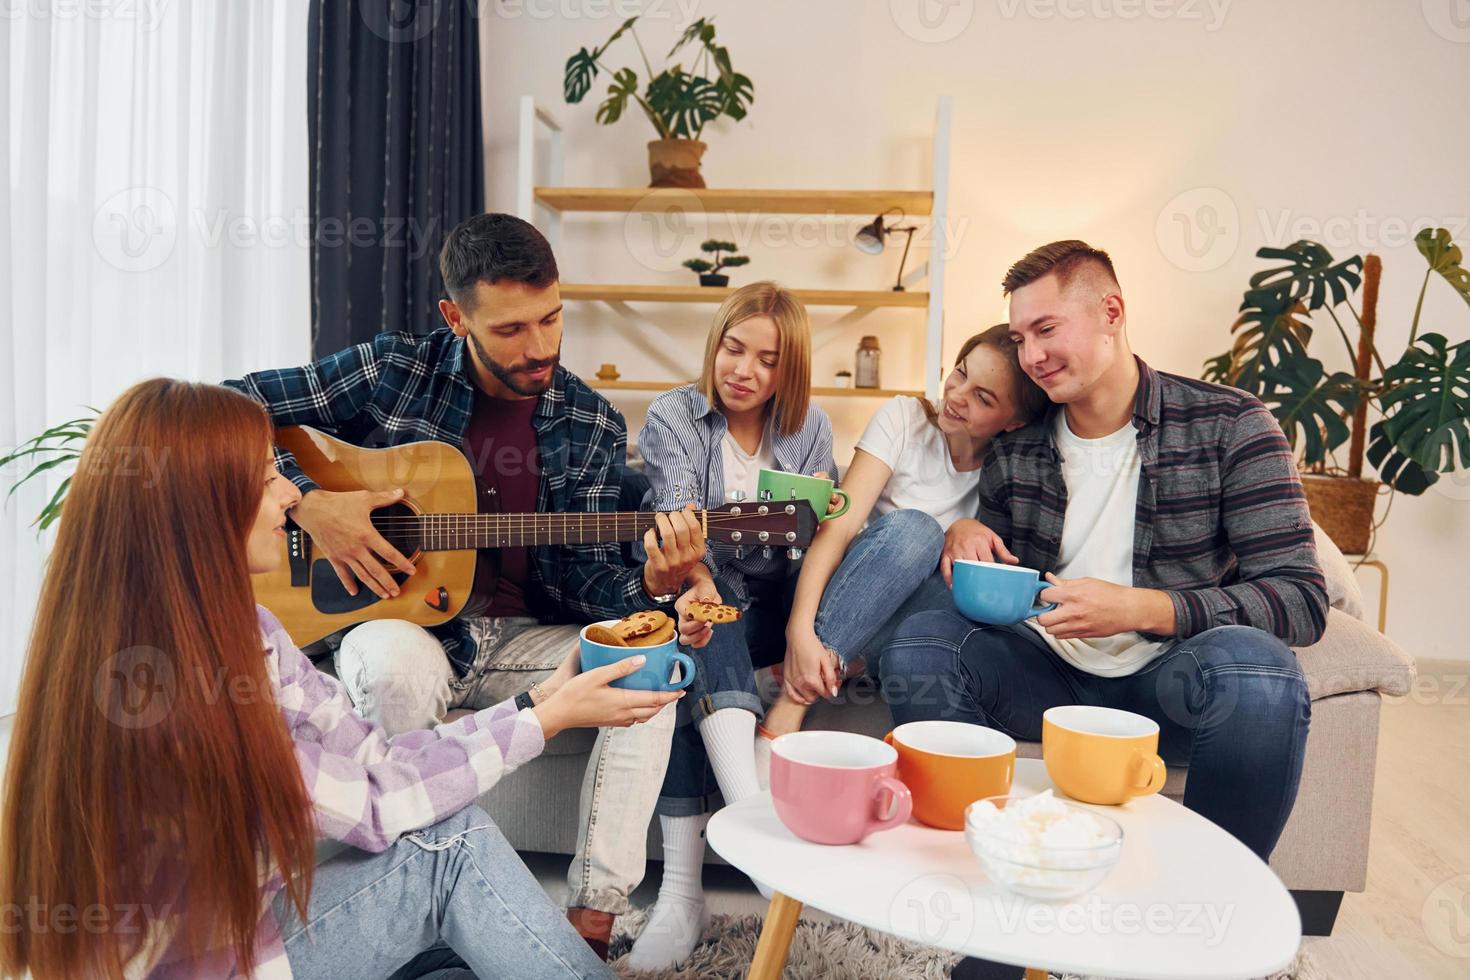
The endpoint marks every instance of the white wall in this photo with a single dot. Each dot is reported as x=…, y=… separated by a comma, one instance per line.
x=1119, y=122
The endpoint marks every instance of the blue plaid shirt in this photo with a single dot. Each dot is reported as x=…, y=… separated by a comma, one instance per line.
x=404, y=388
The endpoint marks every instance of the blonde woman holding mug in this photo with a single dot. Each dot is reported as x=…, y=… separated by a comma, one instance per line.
x=705, y=443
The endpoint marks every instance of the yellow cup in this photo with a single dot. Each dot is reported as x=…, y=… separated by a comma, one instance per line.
x=1101, y=755
x=948, y=765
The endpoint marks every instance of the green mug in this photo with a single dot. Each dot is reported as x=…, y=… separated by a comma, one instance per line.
x=793, y=486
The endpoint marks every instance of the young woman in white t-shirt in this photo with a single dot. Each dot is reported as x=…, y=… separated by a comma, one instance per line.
x=916, y=470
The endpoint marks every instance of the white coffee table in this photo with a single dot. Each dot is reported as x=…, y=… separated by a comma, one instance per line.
x=1186, y=899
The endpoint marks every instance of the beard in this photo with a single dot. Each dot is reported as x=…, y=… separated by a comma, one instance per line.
x=515, y=376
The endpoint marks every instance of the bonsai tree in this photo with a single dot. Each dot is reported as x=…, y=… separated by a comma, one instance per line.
x=715, y=247
x=1422, y=398
x=677, y=102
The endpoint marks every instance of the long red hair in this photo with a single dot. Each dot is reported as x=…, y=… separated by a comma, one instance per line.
x=148, y=735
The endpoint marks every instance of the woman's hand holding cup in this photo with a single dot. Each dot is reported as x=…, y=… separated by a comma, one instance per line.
x=574, y=699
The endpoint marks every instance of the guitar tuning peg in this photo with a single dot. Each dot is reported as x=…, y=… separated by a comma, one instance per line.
x=738, y=496
x=740, y=551
x=766, y=551
x=794, y=554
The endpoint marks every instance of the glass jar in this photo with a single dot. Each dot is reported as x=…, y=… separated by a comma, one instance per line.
x=868, y=355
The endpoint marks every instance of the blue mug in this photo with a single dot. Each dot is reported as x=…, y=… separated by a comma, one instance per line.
x=997, y=594
x=657, y=668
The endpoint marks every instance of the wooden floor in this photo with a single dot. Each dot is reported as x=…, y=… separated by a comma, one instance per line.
x=1414, y=918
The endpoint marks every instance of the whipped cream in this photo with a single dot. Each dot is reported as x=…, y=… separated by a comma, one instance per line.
x=1041, y=845
x=1037, y=823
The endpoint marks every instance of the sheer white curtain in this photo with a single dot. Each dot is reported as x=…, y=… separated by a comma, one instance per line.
x=153, y=221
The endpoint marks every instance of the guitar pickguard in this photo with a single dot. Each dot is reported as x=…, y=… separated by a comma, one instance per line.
x=328, y=595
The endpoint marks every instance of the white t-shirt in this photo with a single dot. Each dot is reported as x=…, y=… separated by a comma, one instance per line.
x=1097, y=540
x=924, y=478
x=743, y=469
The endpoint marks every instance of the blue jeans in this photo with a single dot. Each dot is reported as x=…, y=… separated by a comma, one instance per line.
x=1231, y=704
x=451, y=900
x=885, y=565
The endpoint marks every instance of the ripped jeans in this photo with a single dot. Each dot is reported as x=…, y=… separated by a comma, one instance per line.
x=452, y=901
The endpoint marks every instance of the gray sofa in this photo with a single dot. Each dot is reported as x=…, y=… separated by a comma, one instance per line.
x=1323, y=851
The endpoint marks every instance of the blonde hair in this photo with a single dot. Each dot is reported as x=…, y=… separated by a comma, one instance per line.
x=794, y=342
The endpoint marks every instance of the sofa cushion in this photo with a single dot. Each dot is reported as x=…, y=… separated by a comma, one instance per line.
x=1343, y=591
x=1353, y=656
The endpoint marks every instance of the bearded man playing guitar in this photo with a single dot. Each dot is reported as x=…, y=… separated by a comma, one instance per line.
x=539, y=440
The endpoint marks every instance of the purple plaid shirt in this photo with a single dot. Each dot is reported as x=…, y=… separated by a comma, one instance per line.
x=366, y=789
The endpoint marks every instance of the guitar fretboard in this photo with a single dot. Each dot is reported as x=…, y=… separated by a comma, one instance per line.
x=457, y=532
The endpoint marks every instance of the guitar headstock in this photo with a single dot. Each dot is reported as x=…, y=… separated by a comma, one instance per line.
x=784, y=524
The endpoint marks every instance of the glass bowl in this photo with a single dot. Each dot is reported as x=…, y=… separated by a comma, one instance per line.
x=1045, y=865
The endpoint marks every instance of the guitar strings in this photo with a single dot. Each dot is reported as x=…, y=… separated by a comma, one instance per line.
x=631, y=516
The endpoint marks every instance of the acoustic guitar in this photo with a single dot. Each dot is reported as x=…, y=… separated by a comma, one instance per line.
x=439, y=526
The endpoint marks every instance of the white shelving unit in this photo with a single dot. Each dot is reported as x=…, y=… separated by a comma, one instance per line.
x=546, y=205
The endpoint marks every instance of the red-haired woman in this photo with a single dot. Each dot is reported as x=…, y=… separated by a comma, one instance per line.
x=176, y=758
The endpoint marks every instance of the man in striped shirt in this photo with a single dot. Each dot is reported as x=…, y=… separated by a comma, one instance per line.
x=1169, y=518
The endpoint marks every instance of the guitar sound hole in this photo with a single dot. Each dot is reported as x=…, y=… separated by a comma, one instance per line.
x=400, y=527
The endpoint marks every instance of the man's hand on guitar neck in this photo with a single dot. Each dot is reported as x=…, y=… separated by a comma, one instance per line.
x=341, y=529
x=670, y=563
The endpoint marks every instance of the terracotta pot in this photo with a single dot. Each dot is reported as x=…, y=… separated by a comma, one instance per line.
x=1343, y=508
x=675, y=163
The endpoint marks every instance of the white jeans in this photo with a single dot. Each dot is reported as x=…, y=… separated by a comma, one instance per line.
x=398, y=676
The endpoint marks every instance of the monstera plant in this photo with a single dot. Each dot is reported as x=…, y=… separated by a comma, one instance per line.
x=1421, y=399
x=678, y=102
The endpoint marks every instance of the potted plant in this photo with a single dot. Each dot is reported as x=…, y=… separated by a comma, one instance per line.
x=58, y=444
x=1422, y=399
x=709, y=274
x=677, y=102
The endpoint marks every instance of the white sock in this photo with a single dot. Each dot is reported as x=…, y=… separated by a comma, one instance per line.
x=729, y=739
x=678, y=917
x=763, y=760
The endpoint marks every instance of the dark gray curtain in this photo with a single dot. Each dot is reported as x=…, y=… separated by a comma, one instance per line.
x=396, y=159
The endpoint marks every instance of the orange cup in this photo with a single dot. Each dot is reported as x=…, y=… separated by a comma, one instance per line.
x=947, y=765
x=1101, y=755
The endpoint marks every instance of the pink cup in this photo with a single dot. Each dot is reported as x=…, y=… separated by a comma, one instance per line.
x=835, y=787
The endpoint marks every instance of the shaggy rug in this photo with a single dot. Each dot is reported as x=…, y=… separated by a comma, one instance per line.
x=822, y=951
